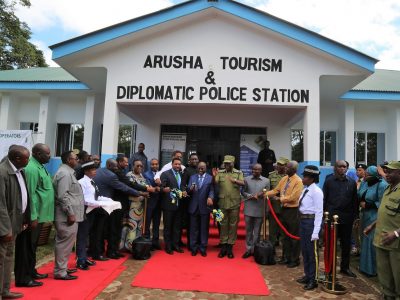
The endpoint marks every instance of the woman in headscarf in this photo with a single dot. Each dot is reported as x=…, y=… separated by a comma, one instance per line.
x=370, y=195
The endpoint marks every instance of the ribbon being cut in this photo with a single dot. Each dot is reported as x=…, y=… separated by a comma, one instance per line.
x=218, y=215
x=176, y=195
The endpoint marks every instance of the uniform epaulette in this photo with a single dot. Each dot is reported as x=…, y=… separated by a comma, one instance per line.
x=236, y=171
x=272, y=173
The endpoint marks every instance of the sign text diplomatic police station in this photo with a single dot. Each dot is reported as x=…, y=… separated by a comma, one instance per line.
x=209, y=90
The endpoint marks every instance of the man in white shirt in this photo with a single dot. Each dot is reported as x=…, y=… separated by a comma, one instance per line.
x=90, y=194
x=176, y=154
x=311, y=205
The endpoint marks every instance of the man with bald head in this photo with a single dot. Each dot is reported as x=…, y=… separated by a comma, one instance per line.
x=340, y=198
x=14, y=212
x=201, y=189
x=41, y=194
x=289, y=189
x=254, y=206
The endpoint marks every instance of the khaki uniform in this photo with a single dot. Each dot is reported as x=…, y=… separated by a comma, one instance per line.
x=274, y=230
x=388, y=256
x=229, y=203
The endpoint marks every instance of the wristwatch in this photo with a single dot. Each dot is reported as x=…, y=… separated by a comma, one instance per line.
x=396, y=234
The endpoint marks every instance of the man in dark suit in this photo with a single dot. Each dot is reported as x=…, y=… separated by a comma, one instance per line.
x=340, y=198
x=201, y=188
x=153, y=213
x=108, y=182
x=14, y=213
x=172, y=212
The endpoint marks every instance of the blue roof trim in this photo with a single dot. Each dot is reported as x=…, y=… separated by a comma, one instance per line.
x=237, y=9
x=371, y=96
x=43, y=86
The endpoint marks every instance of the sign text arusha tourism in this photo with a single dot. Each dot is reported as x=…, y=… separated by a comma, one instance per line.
x=209, y=90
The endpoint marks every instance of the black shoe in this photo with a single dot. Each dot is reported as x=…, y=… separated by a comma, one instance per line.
x=66, y=277
x=293, y=264
x=312, y=284
x=302, y=280
x=348, y=272
x=229, y=252
x=194, y=252
x=82, y=266
x=203, y=253
x=100, y=258
x=222, y=252
x=283, y=261
x=70, y=271
x=178, y=249
x=247, y=254
x=90, y=262
x=31, y=283
x=113, y=256
x=169, y=251
x=40, y=276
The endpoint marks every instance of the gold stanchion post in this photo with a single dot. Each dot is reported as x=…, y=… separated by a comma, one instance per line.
x=333, y=287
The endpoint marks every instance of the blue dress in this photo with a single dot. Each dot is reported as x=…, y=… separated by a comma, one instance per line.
x=372, y=195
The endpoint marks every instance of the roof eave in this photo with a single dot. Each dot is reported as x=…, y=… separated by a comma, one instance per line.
x=231, y=7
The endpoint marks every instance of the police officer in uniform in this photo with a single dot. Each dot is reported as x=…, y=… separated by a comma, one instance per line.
x=311, y=206
x=387, y=234
x=229, y=182
x=274, y=178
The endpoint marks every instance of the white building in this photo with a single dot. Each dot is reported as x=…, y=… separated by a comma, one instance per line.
x=212, y=72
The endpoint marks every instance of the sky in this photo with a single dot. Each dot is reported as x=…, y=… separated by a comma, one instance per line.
x=369, y=26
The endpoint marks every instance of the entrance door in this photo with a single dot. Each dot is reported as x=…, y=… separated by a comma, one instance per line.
x=212, y=143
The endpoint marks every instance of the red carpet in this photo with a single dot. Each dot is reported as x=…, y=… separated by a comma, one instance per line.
x=87, y=286
x=208, y=274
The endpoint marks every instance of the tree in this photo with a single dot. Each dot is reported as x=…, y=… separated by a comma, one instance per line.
x=16, y=52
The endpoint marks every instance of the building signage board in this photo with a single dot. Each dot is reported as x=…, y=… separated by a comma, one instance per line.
x=14, y=137
x=172, y=142
x=219, y=79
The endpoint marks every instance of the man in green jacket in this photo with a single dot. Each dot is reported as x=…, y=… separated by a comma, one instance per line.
x=41, y=191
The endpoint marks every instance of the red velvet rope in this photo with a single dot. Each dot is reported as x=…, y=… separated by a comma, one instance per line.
x=328, y=252
x=279, y=222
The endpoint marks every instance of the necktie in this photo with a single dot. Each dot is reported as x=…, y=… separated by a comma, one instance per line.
x=96, y=190
x=286, y=187
x=178, y=178
x=302, y=197
x=200, y=181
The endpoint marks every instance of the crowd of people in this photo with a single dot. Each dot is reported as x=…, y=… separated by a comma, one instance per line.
x=101, y=209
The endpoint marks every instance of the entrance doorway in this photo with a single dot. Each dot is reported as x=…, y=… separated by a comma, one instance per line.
x=210, y=143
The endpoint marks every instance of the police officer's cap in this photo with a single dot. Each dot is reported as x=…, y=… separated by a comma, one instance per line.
x=364, y=166
x=89, y=165
x=393, y=165
x=311, y=171
x=282, y=161
x=229, y=159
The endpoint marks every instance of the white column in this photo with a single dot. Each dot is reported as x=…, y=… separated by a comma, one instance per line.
x=89, y=118
x=311, y=126
x=109, y=145
x=5, y=111
x=44, y=115
x=348, y=120
x=392, y=139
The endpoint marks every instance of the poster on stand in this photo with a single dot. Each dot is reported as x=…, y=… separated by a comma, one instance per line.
x=14, y=137
x=250, y=146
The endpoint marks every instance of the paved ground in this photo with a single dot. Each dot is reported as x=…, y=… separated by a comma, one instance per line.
x=280, y=281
